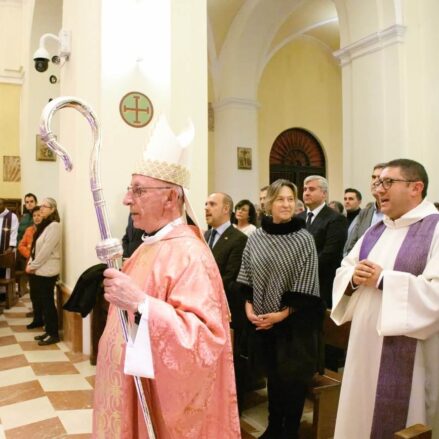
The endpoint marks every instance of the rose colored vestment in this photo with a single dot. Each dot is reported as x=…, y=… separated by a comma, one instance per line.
x=193, y=394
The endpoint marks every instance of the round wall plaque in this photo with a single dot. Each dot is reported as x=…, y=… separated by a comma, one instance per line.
x=136, y=109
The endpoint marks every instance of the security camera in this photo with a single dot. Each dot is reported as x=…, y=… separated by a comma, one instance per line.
x=41, y=58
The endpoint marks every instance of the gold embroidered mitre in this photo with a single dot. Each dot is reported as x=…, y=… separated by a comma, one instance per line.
x=166, y=155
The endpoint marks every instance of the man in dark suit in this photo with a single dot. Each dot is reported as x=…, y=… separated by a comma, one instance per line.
x=227, y=244
x=329, y=230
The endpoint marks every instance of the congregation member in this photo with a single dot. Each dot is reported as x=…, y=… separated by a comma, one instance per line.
x=369, y=216
x=300, y=207
x=329, y=230
x=30, y=201
x=172, y=287
x=336, y=206
x=25, y=245
x=245, y=217
x=8, y=229
x=227, y=244
x=279, y=277
x=352, y=202
x=43, y=269
x=8, y=237
x=388, y=287
x=261, y=208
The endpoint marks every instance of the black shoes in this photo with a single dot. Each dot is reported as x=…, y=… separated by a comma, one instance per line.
x=33, y=325
x=41, y=337
x=48, y=339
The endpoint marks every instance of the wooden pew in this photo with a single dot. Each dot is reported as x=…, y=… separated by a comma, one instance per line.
x=324, y=392
x=417, y=431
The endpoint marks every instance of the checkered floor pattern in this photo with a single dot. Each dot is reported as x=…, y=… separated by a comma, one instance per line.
x=46, y=392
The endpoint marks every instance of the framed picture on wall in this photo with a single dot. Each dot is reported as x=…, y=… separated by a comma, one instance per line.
x=42, y=152
x=11, y=168
x=244, y=158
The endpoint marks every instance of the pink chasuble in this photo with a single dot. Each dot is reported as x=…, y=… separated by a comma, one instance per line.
x=193, y=394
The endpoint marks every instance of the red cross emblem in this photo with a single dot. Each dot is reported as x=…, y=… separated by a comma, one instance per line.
x=136, y=109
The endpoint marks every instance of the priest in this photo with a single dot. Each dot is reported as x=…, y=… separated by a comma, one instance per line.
x=173, y=293
x=388, y=287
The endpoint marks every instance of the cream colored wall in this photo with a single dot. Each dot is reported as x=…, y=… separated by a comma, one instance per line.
x=390, y=92
x=38, y=177
x=301, y=87
x=9, y=129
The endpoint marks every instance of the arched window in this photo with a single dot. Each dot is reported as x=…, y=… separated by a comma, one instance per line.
x=295, y=154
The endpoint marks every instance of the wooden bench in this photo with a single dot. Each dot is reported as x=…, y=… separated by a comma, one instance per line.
x=324, y=394
x=417, y=431
x=324, y=391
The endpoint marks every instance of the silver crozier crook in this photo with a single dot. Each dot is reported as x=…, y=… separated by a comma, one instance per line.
x=109, y=250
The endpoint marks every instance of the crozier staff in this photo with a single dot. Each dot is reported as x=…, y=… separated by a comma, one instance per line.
x=172, y=287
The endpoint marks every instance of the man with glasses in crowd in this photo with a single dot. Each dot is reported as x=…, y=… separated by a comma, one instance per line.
x=173, y=293
x=388, y=287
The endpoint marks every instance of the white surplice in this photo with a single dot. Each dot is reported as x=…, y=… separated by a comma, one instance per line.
x=408, y=305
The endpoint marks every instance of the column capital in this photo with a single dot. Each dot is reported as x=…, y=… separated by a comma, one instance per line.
x=371, y=43
x=234, y=102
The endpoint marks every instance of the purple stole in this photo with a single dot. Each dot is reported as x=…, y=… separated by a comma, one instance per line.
x=6, y=232
x=398, y=352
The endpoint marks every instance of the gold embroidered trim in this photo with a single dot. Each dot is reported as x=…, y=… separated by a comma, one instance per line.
x=169, y=172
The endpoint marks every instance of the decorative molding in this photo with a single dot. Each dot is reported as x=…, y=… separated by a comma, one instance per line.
x=232, y=102
x=11, y=80
x=14, y=3
x=371, y=43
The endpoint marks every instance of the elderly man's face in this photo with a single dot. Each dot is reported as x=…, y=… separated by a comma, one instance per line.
x=146, y=200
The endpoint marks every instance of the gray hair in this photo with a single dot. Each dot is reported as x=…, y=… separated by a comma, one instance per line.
x=323, y=183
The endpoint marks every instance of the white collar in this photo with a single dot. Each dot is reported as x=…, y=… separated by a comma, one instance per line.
x=317, y=210
x=162, y=232
x=422, y=210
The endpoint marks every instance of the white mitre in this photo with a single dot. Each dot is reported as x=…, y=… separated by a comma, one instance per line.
x=166, y=158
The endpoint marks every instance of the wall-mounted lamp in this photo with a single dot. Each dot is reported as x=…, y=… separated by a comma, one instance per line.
x=41, y=56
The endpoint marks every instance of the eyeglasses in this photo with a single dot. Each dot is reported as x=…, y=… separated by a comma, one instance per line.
x=138, y=191
x=387, y=182
x=46, y=207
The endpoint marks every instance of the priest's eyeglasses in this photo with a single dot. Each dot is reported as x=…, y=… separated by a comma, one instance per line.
x=138, y=191
x=387, y=182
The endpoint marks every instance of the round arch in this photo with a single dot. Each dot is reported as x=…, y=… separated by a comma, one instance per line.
x=295, y=154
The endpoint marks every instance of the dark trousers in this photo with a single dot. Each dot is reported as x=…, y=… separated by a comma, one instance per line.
x=286, y=394
x=43, y=302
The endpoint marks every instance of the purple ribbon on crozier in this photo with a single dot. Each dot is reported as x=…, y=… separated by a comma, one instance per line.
x=398, y=352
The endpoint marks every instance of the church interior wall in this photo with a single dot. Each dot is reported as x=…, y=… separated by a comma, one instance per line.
x=301, y=87
x=39, y=177
x=9, y=139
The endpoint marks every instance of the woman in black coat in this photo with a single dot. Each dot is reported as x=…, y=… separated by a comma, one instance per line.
x=279, y=276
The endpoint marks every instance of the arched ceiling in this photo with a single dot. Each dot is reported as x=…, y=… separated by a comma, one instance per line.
x=309, y=15
x=245, y=34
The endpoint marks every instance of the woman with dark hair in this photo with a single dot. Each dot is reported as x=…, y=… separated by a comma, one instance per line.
x=43, y=269
x=25, y=245
x=279, y=277
x=245, y=217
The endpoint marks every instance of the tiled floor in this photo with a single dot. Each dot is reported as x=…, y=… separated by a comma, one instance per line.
x=46, y=392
